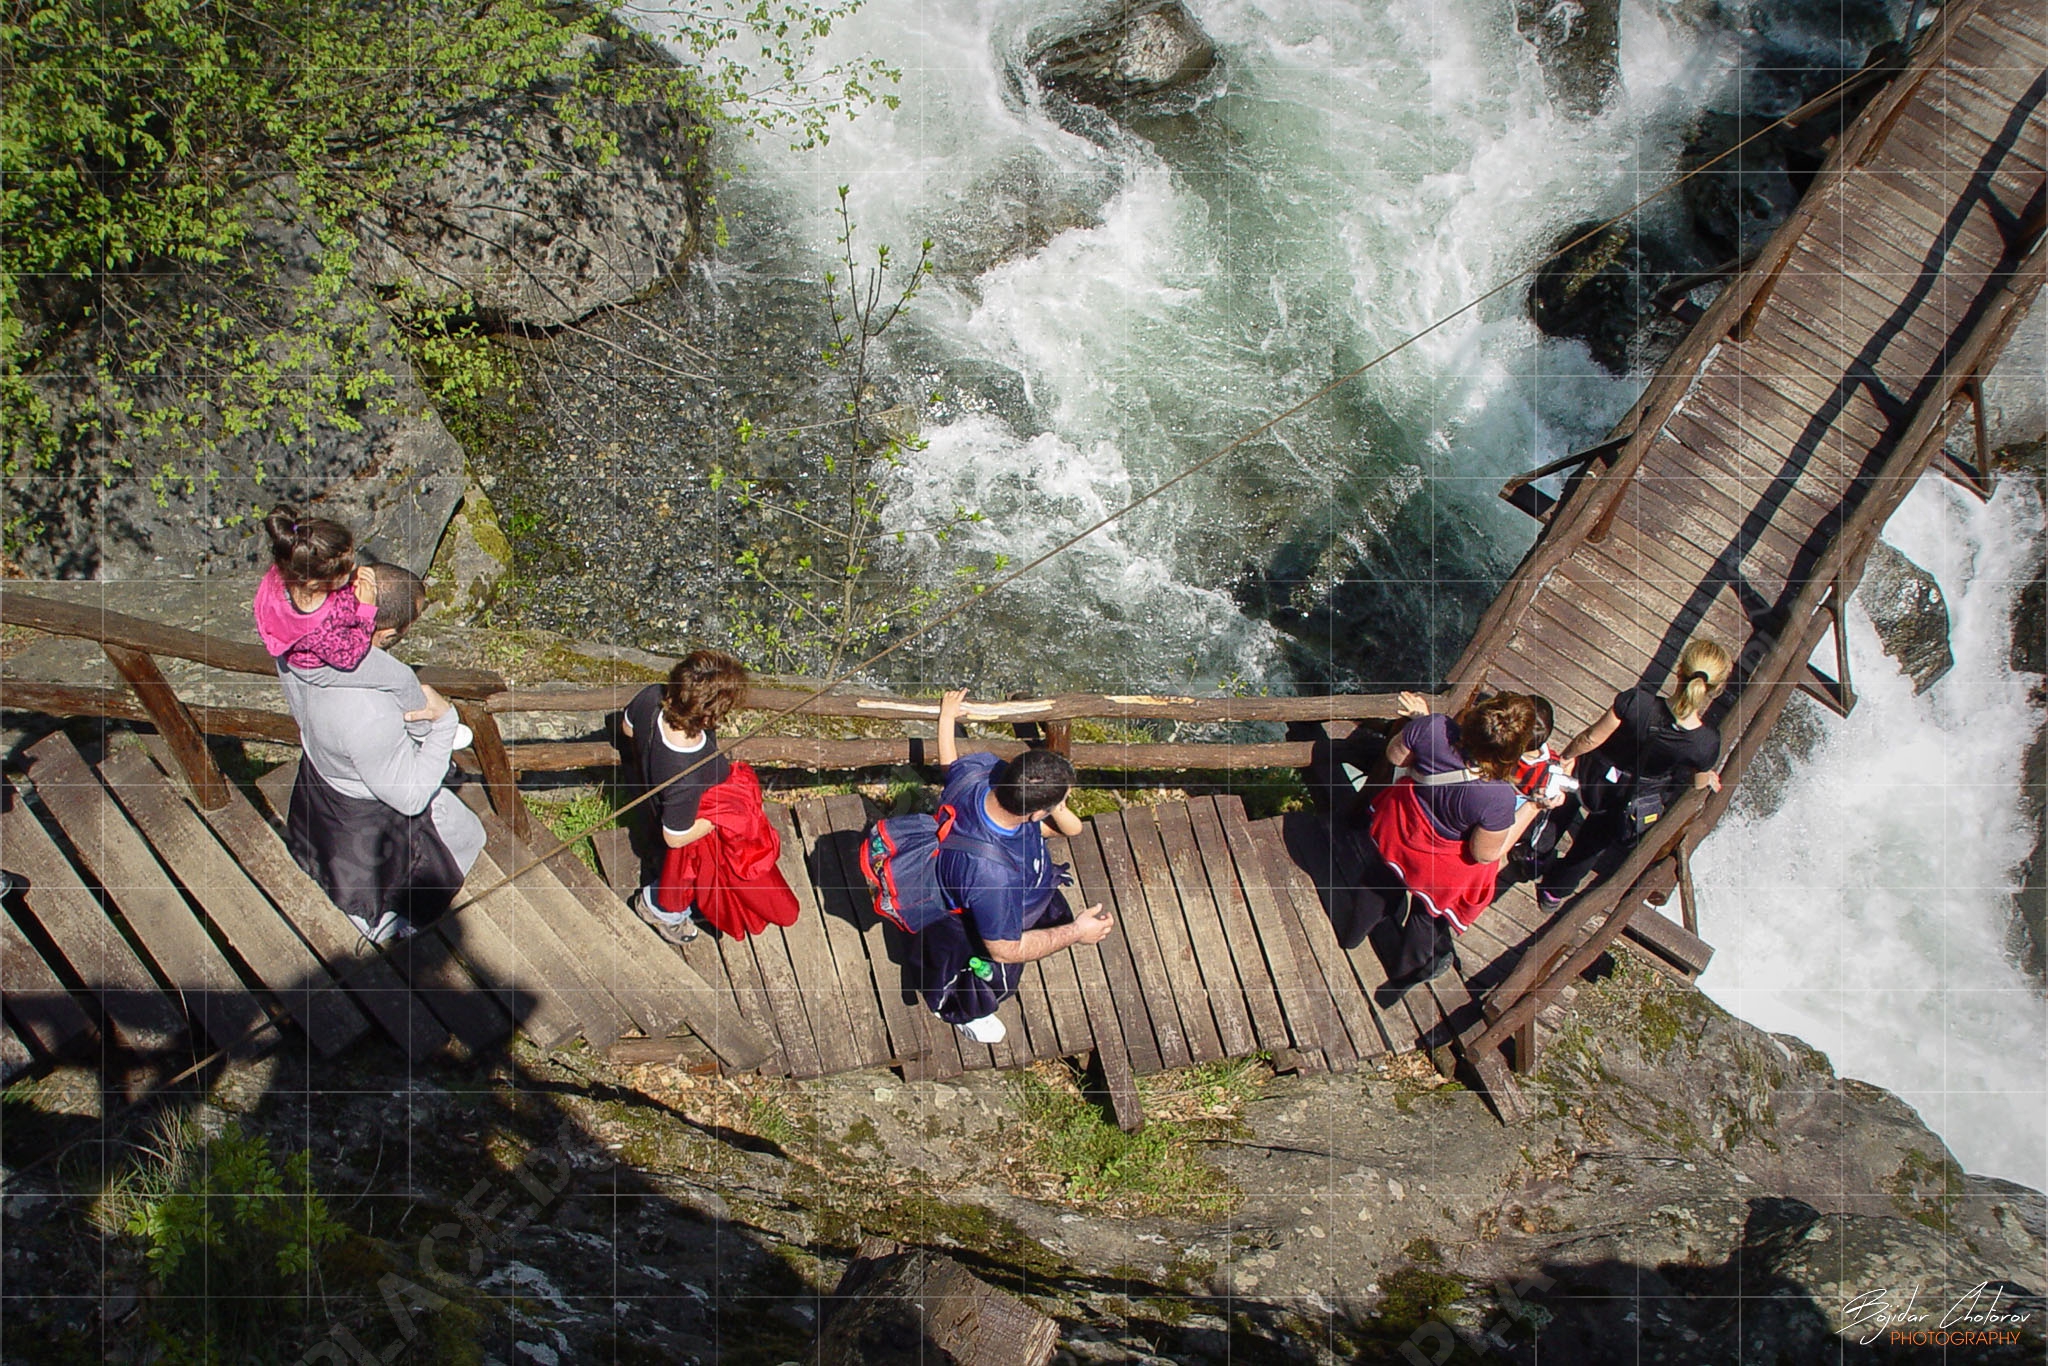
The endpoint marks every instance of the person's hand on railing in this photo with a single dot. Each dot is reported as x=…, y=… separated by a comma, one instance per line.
x=436, y=708
x=1411, y=705
x=1705, y=779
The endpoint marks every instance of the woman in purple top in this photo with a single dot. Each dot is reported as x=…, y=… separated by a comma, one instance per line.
x=1436, y=836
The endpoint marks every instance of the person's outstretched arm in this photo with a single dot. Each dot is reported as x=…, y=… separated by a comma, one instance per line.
x=949, y=721
x=1091, y=926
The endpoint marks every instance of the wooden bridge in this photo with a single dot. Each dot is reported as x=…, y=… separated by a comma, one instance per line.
x=162, y=918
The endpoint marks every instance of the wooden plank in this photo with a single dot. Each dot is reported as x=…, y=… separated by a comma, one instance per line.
x=1809, y=489
x=1170, y=923
x=167, y=712
x=1331, y=1035
x=506, y=943
x=1063, y=994
x=1262, y=1000
x=661, y=991
x=1262, y=895
x=782, y=993
x=829, y=828
x=832, y=907
x=1040, y=1038
x=731, y=962
x=142, y=1016
x=425, y=964
x=554, y=932
x=118, y=859
x=615, y=855
x=1131, y=1020
x=1354, y=1012
x=824, y=996
x=377, y=988
x=1148, y=961
x=1205, y=930
x=36, y=999
x=15, y=1058
x=262, y=938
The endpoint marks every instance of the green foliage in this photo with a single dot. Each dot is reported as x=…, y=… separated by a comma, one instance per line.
x=580, y=816
x=834, y=588
x=157, y=150
x=1154, y=1171
x=233, y=1239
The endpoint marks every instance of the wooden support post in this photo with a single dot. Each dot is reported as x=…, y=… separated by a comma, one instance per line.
x=1688, y=903
x=496, y=763
x=1758, y=302
x=1059, y=738
x=1525, y=1048
x=173, y=722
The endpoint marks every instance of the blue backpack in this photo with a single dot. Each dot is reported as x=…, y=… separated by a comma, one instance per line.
x=899, y=857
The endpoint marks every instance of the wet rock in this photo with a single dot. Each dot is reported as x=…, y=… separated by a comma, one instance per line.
x=537, y=229
x=177, y=501
x=1137, y=53
x=1601, y=292
x=2026, y=936
x=1799, y=731
x=1911, y=615
x=1578, y=45
x=1012, y=212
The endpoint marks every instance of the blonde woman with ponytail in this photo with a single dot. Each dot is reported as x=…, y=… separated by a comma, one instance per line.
x=1635, y=761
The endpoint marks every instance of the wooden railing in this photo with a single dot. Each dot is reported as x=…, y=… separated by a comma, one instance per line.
x=134, y=645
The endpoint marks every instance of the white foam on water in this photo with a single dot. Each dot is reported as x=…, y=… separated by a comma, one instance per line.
x=1867, y=915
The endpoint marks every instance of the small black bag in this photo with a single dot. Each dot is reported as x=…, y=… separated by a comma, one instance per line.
x=1643, y=809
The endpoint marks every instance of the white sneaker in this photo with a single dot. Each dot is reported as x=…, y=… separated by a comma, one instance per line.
x=987, y=1029
x=387, y=927
x=464, y=736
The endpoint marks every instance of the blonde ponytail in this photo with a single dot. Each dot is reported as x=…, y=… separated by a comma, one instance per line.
x=1703, y=666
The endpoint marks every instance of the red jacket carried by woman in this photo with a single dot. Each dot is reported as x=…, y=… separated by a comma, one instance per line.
x=1450, y=882
x=730, y=875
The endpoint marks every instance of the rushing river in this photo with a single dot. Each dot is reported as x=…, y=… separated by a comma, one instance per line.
x=1113, y=304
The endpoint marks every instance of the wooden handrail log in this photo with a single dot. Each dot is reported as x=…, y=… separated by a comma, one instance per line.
x=1062, y=707
x=82, y=622
x=121, y=704
x=555, y=756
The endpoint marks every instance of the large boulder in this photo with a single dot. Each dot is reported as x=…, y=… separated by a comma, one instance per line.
x=1578, y=45
x=539, y=228
x=1140, y=51
x=1911, y=616
x=1600, y=291
x=171, y=497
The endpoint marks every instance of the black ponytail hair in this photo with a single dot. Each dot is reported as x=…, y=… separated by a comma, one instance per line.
x=310, y=552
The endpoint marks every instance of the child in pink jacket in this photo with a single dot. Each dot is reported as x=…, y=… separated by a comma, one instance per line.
x=312, y=608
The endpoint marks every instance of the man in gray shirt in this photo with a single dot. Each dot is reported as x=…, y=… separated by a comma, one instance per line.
x=370, y=820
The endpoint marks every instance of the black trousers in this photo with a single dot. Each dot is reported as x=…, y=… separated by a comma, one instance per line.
x=1600, y=845
x=955, y=994
x=1407, y=939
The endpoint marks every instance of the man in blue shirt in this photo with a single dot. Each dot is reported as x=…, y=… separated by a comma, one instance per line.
x=1013, y=912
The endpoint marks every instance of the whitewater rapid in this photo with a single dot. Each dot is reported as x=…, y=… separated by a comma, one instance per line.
x=1867, y=915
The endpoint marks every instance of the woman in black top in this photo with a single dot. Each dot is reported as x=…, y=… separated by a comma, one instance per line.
x=1644, y=746
x=675, y=740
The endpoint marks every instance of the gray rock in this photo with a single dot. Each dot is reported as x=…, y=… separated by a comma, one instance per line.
x=1911, y=615
x=1798, y=732
x=179, y=501
x=1137, y=53
x=1012, y=211
x=1599, y=292
x=1578, y=45
x=2026, y=936
x=536, y=229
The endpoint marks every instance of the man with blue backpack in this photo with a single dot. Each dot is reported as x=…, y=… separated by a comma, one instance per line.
x=975, y=884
